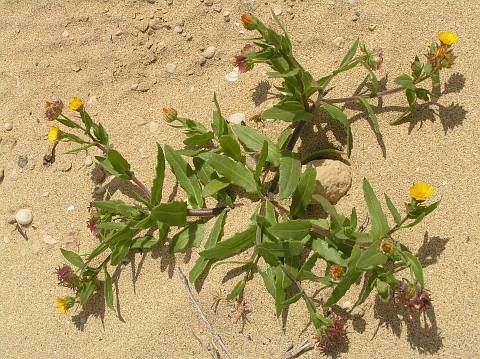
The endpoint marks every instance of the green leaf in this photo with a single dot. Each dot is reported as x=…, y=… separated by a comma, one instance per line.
x=185, y=177
x=371, y=257
x=405, y=81
x=284, y=136
x=338, y=115
x=231, y=246
x=239, y=287
x=329, y=208
x=253, y=140
x=107, y=289
x=415, y=266
x=190, y=236
x=115, y=207
x=235, y=172
x=328, y=253
x=281, y=249
x=126, y=233
x=269, y=280
x=119, y=163
x=230, y=147
x=303, y=194
x=293, y=299
x=396, y=216
x=214, y=186
x=289, y=111
x=198, y=139
x=73, y=258
x=368, y=286
x=279, y=291
x=371, y=114
x=261, y=161
x=350, y=54
x=290, y=172
x=219, y=125
x=145, y=242
x=411, y=98
x=86, y=291
x=290, y=73
x=290, y=230
x=426, y=211
x=67, y=122
x=383, y=289
x=120, y=251
x=172, y=213
x=107, y=165
x=215, y=234
x=100, y=134
x=379, y=221
x=423, y=94
x=86, y=119
x=157, y=185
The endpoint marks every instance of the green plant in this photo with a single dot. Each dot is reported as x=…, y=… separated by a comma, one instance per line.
x=284, y=243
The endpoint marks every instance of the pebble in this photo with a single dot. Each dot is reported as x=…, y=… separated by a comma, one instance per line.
x=143, y=87
x=339, y=42
x=75, y=68
x=24, y=216
x=209, y=52
x=170, y=68
x=8, y=126
x=88, y=161
x=347, y=305
x=209, y=2
x=92, y=100
x=237, y=118
x=277, y=10
x=233, y=75
x=65, y=33
x=217, y=7
x=333, y=179
x=155, y=24
x=372, y=27
x=70, y=208
x=65, y=166
x=22, y=161
x=178, y=29
x=100, y=190
x=226, y=16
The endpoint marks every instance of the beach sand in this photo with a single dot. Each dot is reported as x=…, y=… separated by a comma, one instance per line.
x=97, y=50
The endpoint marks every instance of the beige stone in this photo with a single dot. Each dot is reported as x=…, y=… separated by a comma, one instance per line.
x=334, y=179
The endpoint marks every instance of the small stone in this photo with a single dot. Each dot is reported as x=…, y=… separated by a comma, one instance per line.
x=178, y=29
x=358, y=312
x=45, y=194
x=141, y=26
x=133, y=87
x=333, y=180
x=49, y=239
x=170, y=68
x=233, y=75
x=339, y=42
x=8, y=126
x=70, y=208
x=22, y=161
x=65, y=33
x=169, y=2
x=372, y=27
x=143, y=87
x=209, y=2
x=155, y=24
x=347, y=305
x=226, y=16
x=217, y=7
x=88, y=161
x=24, y=216
x=277, y=10
x=237, y=118
x=100, y=190
x=209, y=52
x=75, y=68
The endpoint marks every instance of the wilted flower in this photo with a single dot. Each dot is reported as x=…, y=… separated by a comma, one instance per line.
x=420, y=191
x=92, y=226
x=336, y=271
x=448, y=38
x=64, y=304
x=54, y=134
x=75, y=104
x=333, y=335
x=53, y=109
x=67, y=277
x=440, y=54
x=169, y=114
x=386, y=246
x=377, y=58
x=242, y=61
x=412, y=296
x=249, y=21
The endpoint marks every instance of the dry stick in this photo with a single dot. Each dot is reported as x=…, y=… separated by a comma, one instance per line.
x=305, y=346
x=210, y=328
x=205, y=347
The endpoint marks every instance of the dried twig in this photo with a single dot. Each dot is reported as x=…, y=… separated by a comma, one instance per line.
x=304, y=347
x=210, y=328
x=213, y=353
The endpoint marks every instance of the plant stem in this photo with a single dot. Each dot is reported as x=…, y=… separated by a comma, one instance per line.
x=206, y=212
x=140, y=184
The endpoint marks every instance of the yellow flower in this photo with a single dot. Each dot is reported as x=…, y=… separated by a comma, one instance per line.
x=54, y=134
x=420, y=191
x=448, y=38
x=75, y=104
x=64, y=304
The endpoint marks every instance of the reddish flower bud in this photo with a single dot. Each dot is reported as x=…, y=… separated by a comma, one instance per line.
x=249, y=21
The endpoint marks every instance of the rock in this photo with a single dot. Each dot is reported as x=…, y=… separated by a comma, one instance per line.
x=237, y=118
x=358, y=312
x=88, y=161
x=141, y=26
x=209, y=2
x=333, y=180
x=217, y=7
x=226, y=16
x=24, y=216
x=70, y=208
x=143, y=87
x=155, y=24
x=209, y=52
x=65, y=166
x=22, y=161
x=233, y=75
x=339, y=42
x=347, y=305
x=8, y=126
x=75, y=68
x=178, y=29
x=170, y=68
x=277, y=10
x=372, y=27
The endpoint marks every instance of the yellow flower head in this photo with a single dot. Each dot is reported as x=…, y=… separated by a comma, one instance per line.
x=64, y=304
x=448, y=38
x=75, y=104
x=420, y=191
x=54, y=134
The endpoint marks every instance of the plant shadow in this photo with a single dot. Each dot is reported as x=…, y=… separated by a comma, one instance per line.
x=431, y=249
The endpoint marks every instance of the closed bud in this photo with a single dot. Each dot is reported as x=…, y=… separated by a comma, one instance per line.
x=249, y=21
x=169, y=114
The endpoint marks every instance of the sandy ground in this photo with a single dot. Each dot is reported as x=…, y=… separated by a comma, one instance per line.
x=97, y=50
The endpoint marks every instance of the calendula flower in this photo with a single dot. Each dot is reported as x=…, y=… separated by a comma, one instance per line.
x=54, y=134
x=420, y=191
x=169, y=114
x=75, y=104
x=53, y=109
x=440, y=55
x=448, y=38
x=412, y=296
x=242, y=61
x=336, y=271
x=249, y=21
x=67, y=277
x=386, y=246
x=332, y=337
x=64, y=304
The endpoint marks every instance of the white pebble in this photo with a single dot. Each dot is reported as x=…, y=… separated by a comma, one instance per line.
x=277, y=10
x=233, y=75
x=70, y=208
x=178, y=29
x=372, y=27
x=209, y=52
x=88, y=161
x=24, y=216
x=347, y=305
x=8, y=126
x=237, y=118
x=65, y=33
x=339, y=42
x=170, y=68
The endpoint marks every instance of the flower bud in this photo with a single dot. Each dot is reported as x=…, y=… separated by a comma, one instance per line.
x=53, y=109
x=249, y=21
x=387, y=247
x=336, y=271
x=169, y=114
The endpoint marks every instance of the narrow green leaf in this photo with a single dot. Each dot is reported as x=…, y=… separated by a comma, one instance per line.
x=279, y=291
x=415, y=266
x=303, y=194
x=289, y=111
x=290, y=73
x=214, y=186
x=426, y=211
x=73, y=258
x=396, y=216
x=379, y=221
x=328, y=253
x=231, y=147
x=101, y=134
x=219, y=124
x=254, y=140
x=384, y=291
x=157, y=185
x=107, y=165
x=338, y=115
x=368, y=286
x=290, y=172
x=290, y=230
x=235, y=172
x=107, y=289
x=350, y=54
x=405, y=81
x=199, y=139
x=144, y=242
x=371, y=257
x=119, y=163
x=86, y=119
x=231, y=246
x=371, y=114
x=261, y=161
x=86, y=291
x=190, y=236
x=115, y=207
x=120, y=251
x=239, y=287
x=172, y=213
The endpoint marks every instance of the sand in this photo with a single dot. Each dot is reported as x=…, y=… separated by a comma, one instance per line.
x=94, y=49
